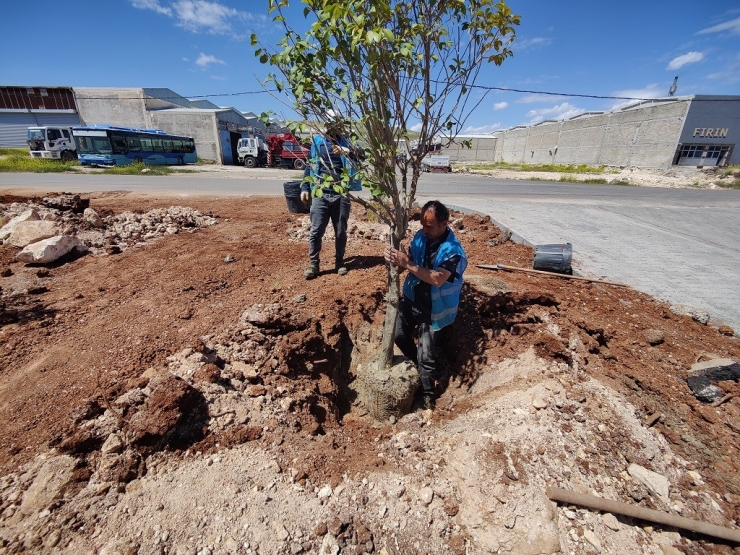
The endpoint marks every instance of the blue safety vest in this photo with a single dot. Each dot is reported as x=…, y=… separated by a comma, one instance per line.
x=445, y=299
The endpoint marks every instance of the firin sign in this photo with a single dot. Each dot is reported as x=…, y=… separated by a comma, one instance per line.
x=710, y=132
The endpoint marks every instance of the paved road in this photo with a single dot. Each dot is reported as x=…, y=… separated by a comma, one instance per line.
x=679, y=245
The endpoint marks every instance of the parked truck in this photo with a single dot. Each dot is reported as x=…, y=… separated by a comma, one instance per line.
x=252, y=151
x=286, y=151
x=51, y=142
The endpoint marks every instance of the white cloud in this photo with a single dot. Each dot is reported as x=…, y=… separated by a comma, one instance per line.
x=653, y=90
x=211, y=17
x=559, y=111
x=531, y=43
x=500, y=105
x=416, y=127
x=482, y=129
x=733, y=26
x=151, y=5
x=204, y=60
x=198, y=15
x=688, y=58
x=531, y=98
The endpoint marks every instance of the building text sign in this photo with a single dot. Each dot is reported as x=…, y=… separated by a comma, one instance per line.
x=711, y=132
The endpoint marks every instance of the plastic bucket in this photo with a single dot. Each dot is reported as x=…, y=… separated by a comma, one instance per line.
x=553, y=258
x=292, y=191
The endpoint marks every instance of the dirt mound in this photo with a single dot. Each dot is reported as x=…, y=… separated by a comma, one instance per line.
x=194, y=394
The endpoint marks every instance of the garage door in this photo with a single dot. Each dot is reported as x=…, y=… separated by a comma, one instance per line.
x=14, y=125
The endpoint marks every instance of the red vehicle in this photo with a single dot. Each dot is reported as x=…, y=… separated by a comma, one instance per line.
x=286, y=151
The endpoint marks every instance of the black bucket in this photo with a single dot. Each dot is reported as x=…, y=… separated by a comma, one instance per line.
x=553, y=258
x=292, y=191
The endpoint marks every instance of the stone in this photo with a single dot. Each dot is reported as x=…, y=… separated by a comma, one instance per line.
x=92, y=217
x=703, y=390
x=717, y=369
x=656, y=483
x=7, y=229
x=48, y=250
x=49, y=485
x=26, y=233
x=610, y=521
x=654, y=337
x=426, y=495
x=726, y=330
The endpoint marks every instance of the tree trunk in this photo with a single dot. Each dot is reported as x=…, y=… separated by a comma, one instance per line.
x=391, y=308
x=391, y=312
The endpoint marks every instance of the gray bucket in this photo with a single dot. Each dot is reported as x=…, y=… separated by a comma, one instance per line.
x=292, y=191
x=553, y=258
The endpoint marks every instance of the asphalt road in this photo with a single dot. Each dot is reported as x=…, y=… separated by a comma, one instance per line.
x=679, y=245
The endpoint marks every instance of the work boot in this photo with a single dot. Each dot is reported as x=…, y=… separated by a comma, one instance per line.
x=312, y=271
x=340, y=268
x=427, y=402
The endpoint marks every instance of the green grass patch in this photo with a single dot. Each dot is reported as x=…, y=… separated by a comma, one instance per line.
x=19, y=163
x=734, y=184
x=136, y=169
x=554, y=168
x=13, y=151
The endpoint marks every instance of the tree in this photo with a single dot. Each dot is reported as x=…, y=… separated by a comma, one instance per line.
x=388, y=66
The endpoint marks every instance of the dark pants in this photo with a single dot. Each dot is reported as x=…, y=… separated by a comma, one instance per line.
x=423, y=354
x=332, y=207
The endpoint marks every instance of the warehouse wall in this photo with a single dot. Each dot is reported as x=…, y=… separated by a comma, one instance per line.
x=201, y=126
x=124, y=107
x=481, y=149
x=642, y=136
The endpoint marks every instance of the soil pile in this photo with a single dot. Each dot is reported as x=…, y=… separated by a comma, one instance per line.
x=192, y=393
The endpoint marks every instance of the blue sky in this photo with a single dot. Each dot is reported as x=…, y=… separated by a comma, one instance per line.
x=603, y=48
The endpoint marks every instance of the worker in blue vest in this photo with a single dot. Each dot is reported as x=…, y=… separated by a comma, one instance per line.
x=330, y=154
x=431, y=292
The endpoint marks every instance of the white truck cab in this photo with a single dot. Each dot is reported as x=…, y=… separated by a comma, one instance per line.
x=51, y=142
x=252, y=151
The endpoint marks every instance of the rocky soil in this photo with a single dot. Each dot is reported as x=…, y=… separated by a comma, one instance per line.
x=178, y=387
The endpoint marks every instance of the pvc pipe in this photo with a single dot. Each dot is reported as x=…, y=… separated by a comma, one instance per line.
x=616, y=507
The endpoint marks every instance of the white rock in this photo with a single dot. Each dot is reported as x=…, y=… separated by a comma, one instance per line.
x=426, y=495
x=32, y=231
x=325, y=492
x=610, y=521
x=592, y=539
x=92, y=217
x=48, y=250
x=655, y=482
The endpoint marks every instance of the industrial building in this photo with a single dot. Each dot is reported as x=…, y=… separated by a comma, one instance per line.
x=695, y=131
x=215, y=130
x=685, y=131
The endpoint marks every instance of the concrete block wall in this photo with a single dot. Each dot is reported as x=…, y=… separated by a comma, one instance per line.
x=644, y=136
x=123, y=107
x=201, y=126
x=481, y=149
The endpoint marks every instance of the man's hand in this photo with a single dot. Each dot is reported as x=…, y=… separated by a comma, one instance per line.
x=396, y=257
x=340, y=149
x=304, y=197
x=402, y=260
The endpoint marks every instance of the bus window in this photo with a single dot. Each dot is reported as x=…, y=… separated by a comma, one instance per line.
x=146, y=145
x=157, y=145
x=134, y=145
x=119, y=144
x=189, y=145
x=101, y=145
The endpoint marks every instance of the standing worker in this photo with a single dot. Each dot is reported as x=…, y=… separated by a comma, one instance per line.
x=431, y=291
x=330, y=154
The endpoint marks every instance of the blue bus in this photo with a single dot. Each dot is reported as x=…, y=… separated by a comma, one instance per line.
x=107, y=145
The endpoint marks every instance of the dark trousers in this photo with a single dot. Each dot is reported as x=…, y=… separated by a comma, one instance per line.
x=423, y=353
x=332, y=207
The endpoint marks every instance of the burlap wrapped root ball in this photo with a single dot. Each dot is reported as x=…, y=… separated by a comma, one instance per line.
x=386, y=392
